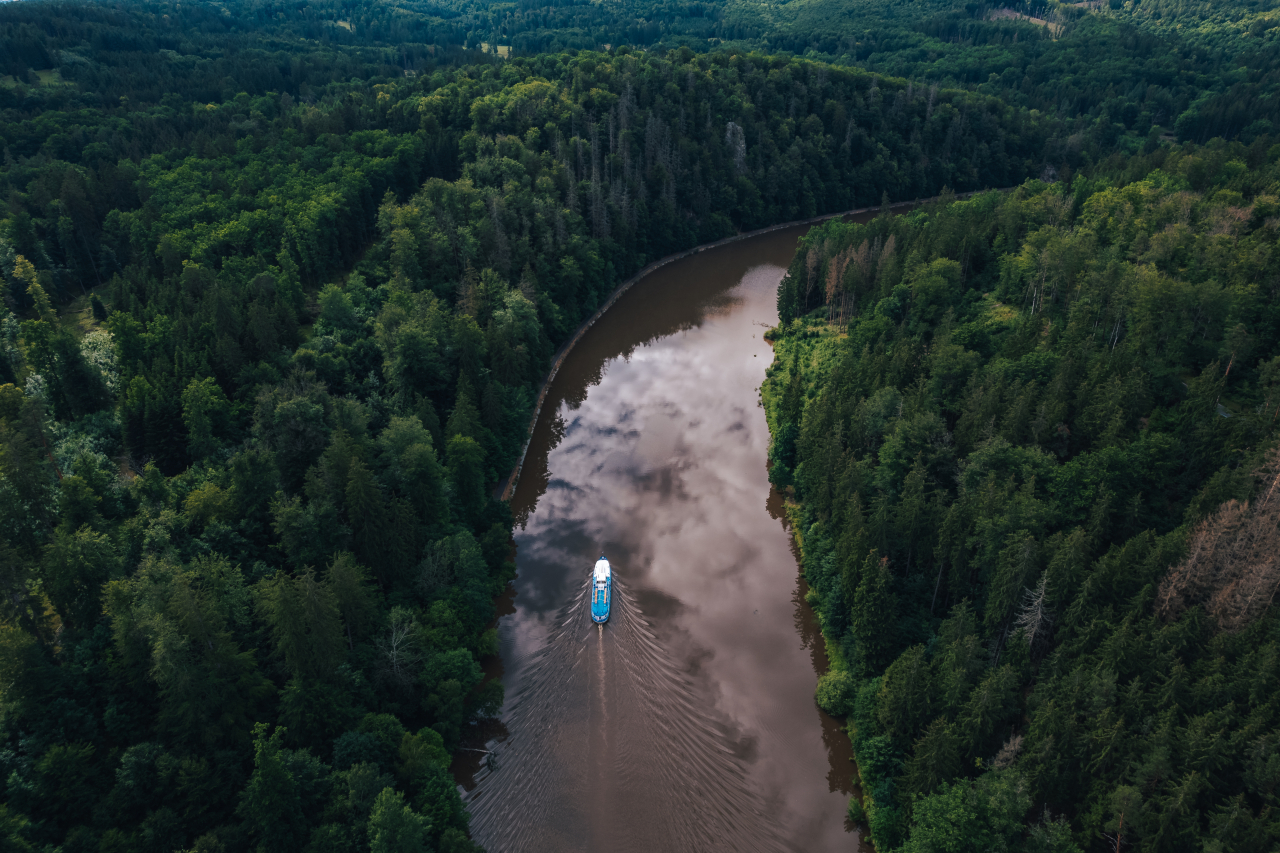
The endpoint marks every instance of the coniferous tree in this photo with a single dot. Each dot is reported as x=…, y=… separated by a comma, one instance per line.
x=874, y=613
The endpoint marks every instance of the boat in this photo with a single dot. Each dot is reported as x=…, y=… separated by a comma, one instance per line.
x=601, y=590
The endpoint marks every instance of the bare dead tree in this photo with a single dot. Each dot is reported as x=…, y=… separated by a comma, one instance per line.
x=399, y=650
x=736, y=141
x=811, y=271
x=1035, y=291
x=1008, y=753
x=1035, y=619
x=862, y=262
x=835, y=267
x=1232, y=566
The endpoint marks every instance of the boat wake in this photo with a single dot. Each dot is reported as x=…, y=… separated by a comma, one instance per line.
x=578, y=764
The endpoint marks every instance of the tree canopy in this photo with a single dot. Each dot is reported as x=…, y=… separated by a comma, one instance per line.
x=1032, y=438
x=281, y=281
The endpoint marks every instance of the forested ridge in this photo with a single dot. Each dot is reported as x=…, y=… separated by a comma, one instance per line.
x=273, y=327
x=1123, y=76
x=1120, y=71
x=1031, y=440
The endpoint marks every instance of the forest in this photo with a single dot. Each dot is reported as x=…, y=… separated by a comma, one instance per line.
x=1118, y=70
x=267, y=352
x=281, y=281
x=1031, y=438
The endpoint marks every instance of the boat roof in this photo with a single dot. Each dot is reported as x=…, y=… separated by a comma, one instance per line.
x=602, y=570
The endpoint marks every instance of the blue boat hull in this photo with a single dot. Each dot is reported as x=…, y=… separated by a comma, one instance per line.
x=600, y=601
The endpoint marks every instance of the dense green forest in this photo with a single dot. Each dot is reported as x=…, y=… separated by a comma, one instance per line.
x=1120, y=71
x=275, y=316
x=1033, y=442
x=280, y=282
x=1123, y=77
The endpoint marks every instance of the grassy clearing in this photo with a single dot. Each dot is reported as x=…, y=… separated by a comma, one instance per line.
x=50, y=77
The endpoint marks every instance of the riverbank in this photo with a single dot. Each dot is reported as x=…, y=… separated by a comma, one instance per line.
x=650, y=448
x=832, y=684
x=557, y=360
x=1000, y=557
x=837, y=663
x=839, y=691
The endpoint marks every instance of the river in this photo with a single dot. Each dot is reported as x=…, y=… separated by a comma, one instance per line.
x=687, y=723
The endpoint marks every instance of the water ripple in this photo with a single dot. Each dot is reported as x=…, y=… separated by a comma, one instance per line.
x=594, y=705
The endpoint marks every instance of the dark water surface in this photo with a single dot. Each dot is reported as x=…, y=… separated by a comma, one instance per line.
x=687, y=723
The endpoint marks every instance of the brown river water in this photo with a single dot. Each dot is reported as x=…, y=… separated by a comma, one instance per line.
x=687, y=723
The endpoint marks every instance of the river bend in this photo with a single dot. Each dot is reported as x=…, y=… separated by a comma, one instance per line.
x=687, y=723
